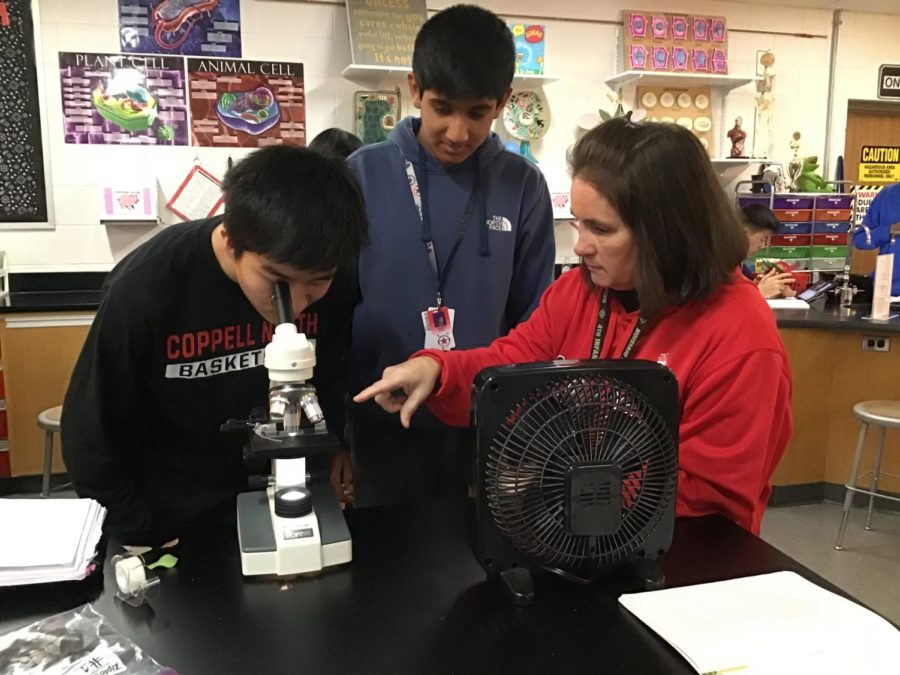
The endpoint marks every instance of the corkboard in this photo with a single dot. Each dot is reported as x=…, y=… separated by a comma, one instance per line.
x=682, y=105
x=690, y=43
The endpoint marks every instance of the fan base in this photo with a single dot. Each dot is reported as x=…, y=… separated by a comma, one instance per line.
x=649, y=574
x=518, y=585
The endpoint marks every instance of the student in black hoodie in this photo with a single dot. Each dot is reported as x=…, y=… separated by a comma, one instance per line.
x=177, y=345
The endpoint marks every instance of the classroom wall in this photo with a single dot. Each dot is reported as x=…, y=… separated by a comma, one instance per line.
x=865, y=42
x=582, y=51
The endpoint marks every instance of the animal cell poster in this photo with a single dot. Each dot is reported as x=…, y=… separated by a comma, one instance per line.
x=23, y=196
x=187, y=27
x=246, y=104
x=123, y=99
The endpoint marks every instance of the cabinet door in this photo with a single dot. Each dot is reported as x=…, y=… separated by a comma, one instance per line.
x=39, y=353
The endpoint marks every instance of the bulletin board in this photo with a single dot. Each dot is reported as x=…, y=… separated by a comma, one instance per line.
x=23, y=190
x=382, y=33
x=675, y=42
x=691, y=107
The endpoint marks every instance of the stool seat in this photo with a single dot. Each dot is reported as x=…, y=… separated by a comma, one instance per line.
x=882, y=413
x=48, y=420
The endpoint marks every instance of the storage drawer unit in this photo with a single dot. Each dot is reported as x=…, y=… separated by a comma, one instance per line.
x=832, y=214
x=828, y=252
x=793, y=215
x=791, y=202
x=828, y=227
x=839, y=239
x=795, y=228
x=827, y=263
x=826, y=201
x=791, y=240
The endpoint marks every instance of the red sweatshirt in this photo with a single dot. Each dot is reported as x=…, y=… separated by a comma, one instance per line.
x=733, y=379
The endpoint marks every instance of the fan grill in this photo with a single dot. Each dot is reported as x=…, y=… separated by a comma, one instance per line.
x=564, y=423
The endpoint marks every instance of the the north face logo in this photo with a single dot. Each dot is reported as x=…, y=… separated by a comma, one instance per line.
x=499, y=223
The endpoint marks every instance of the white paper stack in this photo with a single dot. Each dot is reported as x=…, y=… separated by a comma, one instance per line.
x=773, y=623
x=787, y=303
x=47, y=540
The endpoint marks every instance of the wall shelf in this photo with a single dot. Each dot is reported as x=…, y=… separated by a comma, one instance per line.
x=363, y=72
x=532, y=80
x=357, y=72
x=664, y=78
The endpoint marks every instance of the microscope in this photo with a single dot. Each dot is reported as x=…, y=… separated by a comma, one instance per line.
x=294, y=526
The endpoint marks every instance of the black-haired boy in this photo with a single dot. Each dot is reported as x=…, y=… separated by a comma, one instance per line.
x=456, y=222
x=760, y=223
x=177, y=345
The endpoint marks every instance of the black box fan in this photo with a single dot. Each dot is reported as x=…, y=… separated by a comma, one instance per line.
x=577, y=469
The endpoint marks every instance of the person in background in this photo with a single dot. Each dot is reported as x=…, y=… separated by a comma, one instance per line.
x=881, y=229
x=336, y=142
x=176, y=347
x=760, y=224
x=460, y=228
x=658, y=281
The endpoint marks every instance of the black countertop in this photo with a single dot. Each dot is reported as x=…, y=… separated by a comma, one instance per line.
x=56, y=301
x=414, y=600
x=53, y=292
x=837, y=318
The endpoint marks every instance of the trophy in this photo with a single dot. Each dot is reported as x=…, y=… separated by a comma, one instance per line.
x=795, y=166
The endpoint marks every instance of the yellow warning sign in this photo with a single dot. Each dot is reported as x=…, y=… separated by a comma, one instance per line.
x=879, y=164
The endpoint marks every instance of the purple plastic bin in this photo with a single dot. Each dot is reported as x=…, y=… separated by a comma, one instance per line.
x=834, y=202
x=747, y=200
x=792, y=202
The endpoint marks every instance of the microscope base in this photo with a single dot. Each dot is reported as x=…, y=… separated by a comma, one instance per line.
x=286, y=546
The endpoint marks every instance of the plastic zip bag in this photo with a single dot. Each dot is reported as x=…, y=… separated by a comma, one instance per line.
x=77, y=642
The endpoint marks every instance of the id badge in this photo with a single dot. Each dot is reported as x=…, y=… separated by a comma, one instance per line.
x=438, y=324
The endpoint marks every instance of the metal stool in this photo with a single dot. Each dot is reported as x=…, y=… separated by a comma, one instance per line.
x=882, y=414
x=48, y=420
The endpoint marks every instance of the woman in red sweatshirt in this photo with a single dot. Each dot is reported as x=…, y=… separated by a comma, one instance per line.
x=659, y=280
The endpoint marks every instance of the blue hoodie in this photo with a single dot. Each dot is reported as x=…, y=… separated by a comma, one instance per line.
x=883, y=212
x=498, y=274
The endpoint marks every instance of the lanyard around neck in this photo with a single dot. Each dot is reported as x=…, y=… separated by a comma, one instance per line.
x=419, y=188
x=603, y=322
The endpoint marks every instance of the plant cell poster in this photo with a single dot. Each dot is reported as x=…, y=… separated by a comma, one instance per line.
x=123, y=99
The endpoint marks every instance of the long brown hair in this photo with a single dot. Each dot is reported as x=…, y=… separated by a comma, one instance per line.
x=658, y=178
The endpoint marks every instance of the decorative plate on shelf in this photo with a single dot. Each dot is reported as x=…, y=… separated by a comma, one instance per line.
x=684, y=100
x=703, y=123
x=525, y=117
x=648, y=100
x=666, y=100
x=701, y=101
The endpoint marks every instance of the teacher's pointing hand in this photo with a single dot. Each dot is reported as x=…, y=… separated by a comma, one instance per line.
x=404, y=387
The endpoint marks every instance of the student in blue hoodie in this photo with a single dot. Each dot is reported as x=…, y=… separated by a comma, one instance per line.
x=460, y=249
x=881, y=229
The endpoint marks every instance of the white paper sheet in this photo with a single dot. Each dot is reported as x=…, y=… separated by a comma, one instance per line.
x=47, y=539
x=787, y=303
x=772, y=623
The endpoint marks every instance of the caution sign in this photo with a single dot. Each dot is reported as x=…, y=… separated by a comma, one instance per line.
x=879, y=164
x=864, y=194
